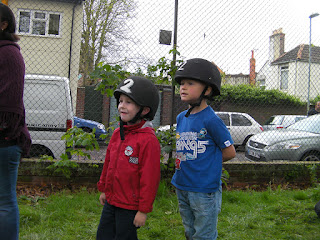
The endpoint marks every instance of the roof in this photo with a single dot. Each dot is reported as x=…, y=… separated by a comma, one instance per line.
x=300, y=53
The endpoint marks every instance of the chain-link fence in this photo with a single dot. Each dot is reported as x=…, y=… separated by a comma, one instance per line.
x=267, y=52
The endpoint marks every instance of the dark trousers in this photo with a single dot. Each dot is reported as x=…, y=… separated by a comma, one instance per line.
x=116, y=224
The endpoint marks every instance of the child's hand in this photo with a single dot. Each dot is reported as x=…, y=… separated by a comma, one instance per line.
x=140, y=219
x=102, y=198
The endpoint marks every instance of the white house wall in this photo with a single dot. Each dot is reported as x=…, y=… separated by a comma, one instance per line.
x=272, y=78
x=50, y=55
x=314, y=80
x=298, y=79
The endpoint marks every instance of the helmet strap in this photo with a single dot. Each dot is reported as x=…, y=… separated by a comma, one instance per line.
x=121, y=130
x=133, y=121
x=137, y=116
x=197, y=104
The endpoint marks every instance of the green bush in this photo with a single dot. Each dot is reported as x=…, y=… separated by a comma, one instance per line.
x=251, y=95
x=316, y=99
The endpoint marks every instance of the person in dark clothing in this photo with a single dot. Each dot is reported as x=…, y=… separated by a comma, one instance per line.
x=14, y=136
x=315, y=110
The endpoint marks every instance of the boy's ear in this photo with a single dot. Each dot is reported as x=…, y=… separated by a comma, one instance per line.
x=145, y=111
x=209, y=91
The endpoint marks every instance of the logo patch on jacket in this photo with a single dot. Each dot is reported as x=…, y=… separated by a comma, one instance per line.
x=134, y=160
x=128, y=151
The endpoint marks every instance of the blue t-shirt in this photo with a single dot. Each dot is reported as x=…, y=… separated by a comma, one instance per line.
x=200, y=138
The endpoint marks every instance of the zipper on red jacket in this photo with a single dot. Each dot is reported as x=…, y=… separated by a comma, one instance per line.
x=115, y=167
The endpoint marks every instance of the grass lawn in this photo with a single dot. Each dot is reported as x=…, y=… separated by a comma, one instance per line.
x=271, y=214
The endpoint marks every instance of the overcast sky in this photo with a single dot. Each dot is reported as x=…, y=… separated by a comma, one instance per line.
x=223, y=31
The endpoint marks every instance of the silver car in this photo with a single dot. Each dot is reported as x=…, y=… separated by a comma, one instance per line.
x=281, y=121
x=298, y=142
x=241, y=126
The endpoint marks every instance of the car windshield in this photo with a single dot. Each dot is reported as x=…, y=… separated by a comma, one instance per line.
x=310, y=124
x=274, y=120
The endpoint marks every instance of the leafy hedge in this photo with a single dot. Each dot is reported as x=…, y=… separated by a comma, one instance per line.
x=251, y=95
x=317, y=99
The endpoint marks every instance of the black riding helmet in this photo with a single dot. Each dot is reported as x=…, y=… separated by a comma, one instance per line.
x=142, y=91
x=203, y=71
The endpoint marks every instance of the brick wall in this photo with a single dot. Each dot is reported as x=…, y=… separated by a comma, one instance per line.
x=166, y=106
x=36, y=172
x=81, y=94
x=106, y=110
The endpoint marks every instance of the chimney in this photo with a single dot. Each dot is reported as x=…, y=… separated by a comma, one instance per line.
x=276, y=44
x=252, y=74
x=299, y=54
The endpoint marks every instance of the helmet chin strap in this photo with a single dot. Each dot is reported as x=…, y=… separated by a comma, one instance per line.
x=133, y=121
x=137, y=116
x=197, y=104
x=121, y=130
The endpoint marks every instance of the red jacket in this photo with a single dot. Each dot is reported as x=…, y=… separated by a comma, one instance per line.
x=131, y=171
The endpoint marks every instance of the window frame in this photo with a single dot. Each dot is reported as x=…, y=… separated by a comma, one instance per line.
x=284, y=78
x=34, y=19
x=225, y=117
x=239, y=118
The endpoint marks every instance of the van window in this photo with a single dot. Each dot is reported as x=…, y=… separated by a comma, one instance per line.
x=44, y=96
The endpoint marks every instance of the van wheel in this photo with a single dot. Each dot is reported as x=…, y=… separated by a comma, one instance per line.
x=37, y=151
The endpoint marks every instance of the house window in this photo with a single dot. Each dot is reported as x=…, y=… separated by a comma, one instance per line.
x=284, y=75
x=39, y=23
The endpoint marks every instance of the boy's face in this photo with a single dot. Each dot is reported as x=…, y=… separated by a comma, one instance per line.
x=127, y=108
x=190, y=90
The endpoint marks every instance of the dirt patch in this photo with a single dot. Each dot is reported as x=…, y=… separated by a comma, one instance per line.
x=45, y=190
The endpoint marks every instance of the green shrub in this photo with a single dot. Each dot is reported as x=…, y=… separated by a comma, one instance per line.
x=251, y=95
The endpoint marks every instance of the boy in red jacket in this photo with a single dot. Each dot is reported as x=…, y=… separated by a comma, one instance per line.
x=131, y=171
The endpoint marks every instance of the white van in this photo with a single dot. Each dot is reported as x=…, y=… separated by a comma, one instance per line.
x=49, y=114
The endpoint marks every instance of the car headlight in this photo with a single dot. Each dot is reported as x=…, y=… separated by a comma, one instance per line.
x=101, y=126
x=284, y=146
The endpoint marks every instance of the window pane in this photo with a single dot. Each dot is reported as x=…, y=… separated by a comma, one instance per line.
x=284, y=78
x=239, y=120
x=24, y=22
x=39, y=15
x=224, y=118
x=274, y=120
x=39, y=28
x=54, y=22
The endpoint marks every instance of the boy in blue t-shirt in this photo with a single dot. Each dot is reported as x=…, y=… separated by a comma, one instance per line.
x=203, y=143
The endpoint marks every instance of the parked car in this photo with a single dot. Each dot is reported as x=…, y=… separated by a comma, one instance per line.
x=166, y=127
x=89, y=125
x=241, y=126
x=49, y=113
x=281, y=121
x=298, y=142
